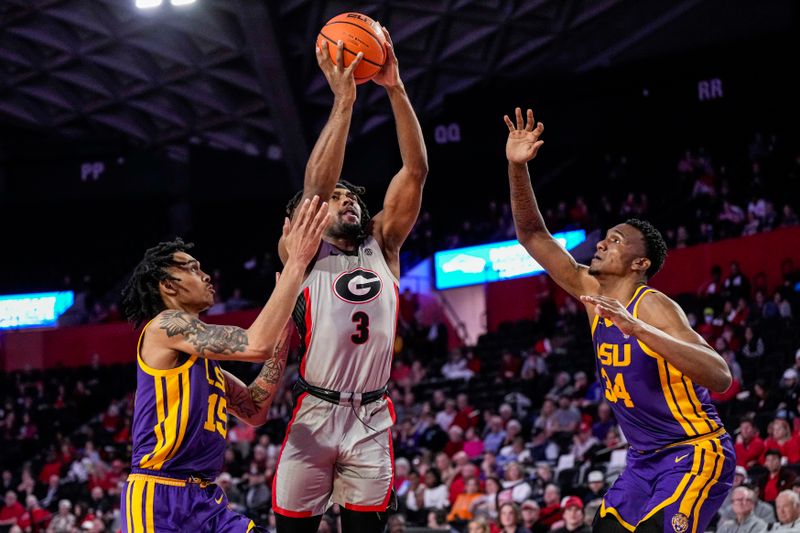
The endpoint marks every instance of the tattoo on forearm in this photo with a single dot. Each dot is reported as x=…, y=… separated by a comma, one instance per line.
x=250, y=401
x=240, y=402
x=264, y=385
x=269, y=377
x=205, y=338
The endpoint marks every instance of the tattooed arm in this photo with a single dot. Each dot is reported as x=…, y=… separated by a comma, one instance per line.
x=251, y=403
x=180, y=331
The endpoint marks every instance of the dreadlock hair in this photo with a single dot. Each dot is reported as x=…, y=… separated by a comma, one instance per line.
x=341, y=184
x=655, y=247
x=141, y=298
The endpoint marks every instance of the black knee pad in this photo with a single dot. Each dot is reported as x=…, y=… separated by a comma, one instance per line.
x=363, y=521
x=287, y=524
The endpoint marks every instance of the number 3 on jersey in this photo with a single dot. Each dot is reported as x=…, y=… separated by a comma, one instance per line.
x=616, y=391
x=361, y=319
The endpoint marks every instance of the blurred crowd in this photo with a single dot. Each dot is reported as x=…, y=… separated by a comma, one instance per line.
x=512, y=434
x=700, y=195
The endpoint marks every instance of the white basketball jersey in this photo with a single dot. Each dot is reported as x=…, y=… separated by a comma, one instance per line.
x=346, y=315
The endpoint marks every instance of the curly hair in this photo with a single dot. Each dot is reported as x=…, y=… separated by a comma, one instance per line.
x=342, y=184
x=655, y=247
x=141, y=298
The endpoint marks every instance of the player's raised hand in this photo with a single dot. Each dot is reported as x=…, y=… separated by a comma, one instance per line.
x=389, y=75
x=339, y=77
x=613, y=310
x=303, y=235
x=523, y=138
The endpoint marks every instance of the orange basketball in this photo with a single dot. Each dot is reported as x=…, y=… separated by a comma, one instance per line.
x=359, y=33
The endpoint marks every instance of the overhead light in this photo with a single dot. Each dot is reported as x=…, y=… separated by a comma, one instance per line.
x=182, y=2
x=147, y=4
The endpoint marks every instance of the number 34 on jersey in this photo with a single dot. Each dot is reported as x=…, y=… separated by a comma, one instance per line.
x=611, y=356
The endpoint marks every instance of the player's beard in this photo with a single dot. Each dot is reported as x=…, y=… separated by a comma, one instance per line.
x=347, y=231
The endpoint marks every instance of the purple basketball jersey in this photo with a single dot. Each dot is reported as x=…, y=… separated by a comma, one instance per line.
x=180, y=418
x=655, y=404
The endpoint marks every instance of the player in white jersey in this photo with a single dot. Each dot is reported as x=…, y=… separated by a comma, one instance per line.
x=338, y=445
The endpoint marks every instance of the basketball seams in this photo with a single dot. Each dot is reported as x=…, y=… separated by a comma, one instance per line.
x=331, y=41
x=381, y=46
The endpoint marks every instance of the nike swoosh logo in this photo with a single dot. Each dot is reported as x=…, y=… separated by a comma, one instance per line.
x=219, y=500
x=682, y=457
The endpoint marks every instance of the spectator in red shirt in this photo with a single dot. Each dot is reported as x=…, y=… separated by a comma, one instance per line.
x=111, y=419
x=778, y=478
x=723, y=398
x=456, y=442
x=124, y=434
x=466, y=416
x=510, y=366
x=749, y=447
x=465, y=472
x=35, y=518
x=473, y=363
x=732, y=341
x=551, y=512
x=781, y=439
x=11, y=511
x=51, y=468
x=709, y=328
x=114, y=478
x=67, y=454
x=401, y=372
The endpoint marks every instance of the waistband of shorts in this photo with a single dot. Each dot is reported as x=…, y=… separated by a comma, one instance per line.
x=700, y=438
x=165, y=478
x=356, y=399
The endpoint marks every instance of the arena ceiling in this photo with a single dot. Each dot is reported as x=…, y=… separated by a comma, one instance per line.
x=241, y=74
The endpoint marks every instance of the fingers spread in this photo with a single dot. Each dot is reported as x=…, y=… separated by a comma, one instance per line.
x=323, y=57
x=354, y=64
x=529, y=123
x=340, y=55
x=302, y=218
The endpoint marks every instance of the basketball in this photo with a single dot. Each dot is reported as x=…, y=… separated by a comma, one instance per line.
x=359, y=33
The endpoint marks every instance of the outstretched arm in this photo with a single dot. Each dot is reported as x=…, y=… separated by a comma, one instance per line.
x=662, y=326
x=251, y=403
x=522, y=146
x=324, y=165
x=404, y=195
x=181, y=331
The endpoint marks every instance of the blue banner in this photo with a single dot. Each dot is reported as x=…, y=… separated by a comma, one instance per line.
x=497, y=261
x=39, y=309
